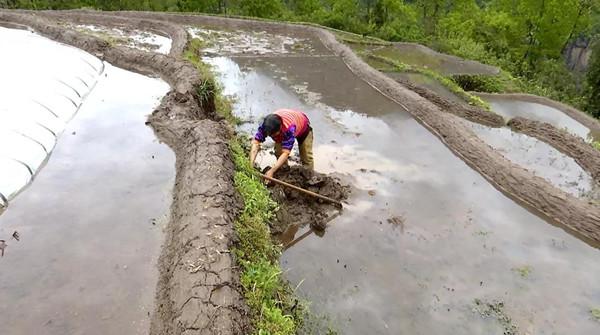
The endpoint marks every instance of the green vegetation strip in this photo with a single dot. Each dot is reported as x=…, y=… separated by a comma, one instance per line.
x=274, y=308
x=595, y=313
x=447, y=82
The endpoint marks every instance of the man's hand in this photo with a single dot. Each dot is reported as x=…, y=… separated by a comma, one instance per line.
x=270, y=173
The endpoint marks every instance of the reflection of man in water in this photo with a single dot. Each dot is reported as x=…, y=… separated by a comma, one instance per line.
x=284, y=127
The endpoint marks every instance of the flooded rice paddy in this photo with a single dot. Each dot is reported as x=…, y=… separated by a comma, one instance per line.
x=38, y=100
x=425, y=241
x=90, y=224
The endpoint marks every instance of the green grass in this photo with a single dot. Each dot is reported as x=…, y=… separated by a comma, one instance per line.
x=523, y=271
x=209, y=87
x=266, y=292
x=596, y=144
x=274, y=308
x=595, y=313
x=446, y=81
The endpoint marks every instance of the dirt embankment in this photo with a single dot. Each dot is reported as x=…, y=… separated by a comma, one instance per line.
x=459, y=65
x=198, y=289
x=573, y=214
x=176, y=33
x=574, y=146
x=466, y=111
x=301, y=209
x=579, y=116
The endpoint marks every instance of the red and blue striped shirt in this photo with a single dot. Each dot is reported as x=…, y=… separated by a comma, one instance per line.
x=294, y=124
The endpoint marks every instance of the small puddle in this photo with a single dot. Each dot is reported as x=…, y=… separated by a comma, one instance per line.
x=424, y=236
x=90, y=225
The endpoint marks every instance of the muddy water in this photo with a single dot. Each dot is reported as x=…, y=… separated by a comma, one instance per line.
x=90, y=224
x=39, y=97
x=510, y=108
x=455, y=238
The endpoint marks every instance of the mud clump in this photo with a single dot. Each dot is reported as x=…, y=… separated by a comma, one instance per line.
x=301, y=209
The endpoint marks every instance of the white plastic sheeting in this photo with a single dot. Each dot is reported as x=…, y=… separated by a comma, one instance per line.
x=43, y=83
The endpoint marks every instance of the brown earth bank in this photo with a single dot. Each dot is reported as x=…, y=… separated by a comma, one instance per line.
x=176, y=33
x=470, y=67
x=466, y=111
x=571, y=145
x=198, y=290
x=579, y=116
x=299, y=209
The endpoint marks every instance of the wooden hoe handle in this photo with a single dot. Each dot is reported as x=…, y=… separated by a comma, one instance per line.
x=322, y=197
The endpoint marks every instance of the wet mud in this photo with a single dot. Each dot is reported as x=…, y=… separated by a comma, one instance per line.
x=177, y=34
x=297, y=209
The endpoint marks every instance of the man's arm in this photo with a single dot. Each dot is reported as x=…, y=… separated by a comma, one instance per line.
x=280, y=161
x=286, y=145
x=254, y=151
x=258, y=138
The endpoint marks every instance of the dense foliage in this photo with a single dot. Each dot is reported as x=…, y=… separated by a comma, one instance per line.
x=526, y=38
x=593, y=78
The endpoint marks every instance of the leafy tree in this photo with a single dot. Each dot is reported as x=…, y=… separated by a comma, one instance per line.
x=259, y=8
x=396, y=21
x=593, y=82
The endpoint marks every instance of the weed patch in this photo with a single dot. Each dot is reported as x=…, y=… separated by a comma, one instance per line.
x=595, y=313
x=523, y=271
x=495, y=309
